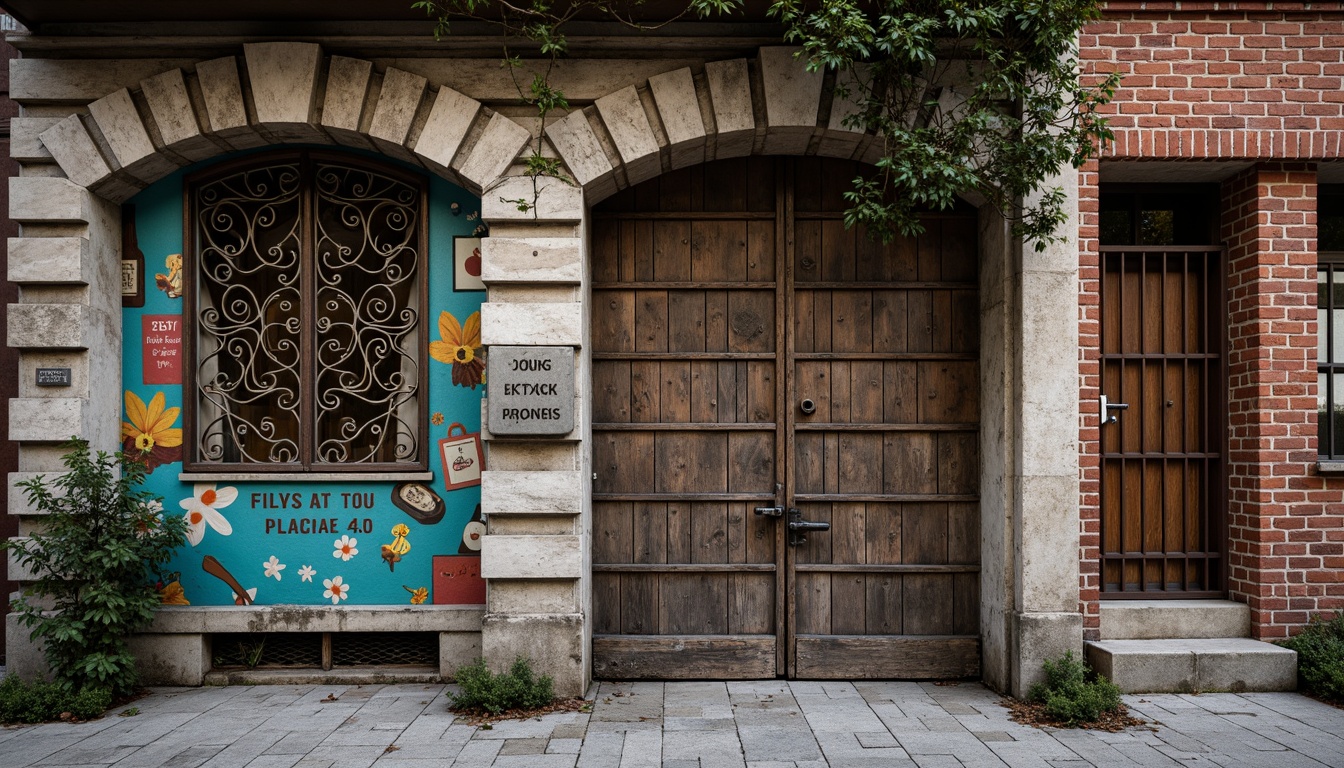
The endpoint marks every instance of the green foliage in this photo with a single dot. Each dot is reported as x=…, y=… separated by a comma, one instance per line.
x=486, y=692
x=95, y=560
x=967, y=97
x=1069, y=696
x=983, y=98
x=1320, y=656
x=22, y=702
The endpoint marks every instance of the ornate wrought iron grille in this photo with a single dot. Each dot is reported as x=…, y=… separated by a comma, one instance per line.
x=309, y=286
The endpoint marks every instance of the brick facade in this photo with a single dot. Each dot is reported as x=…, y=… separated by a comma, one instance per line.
x=1237, y=84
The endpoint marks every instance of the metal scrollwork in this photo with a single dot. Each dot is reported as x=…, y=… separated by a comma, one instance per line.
x=356, y=339
x=366, y=256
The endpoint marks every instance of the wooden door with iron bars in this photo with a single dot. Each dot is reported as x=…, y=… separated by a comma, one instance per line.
x=1163, y=434
x=785, y=433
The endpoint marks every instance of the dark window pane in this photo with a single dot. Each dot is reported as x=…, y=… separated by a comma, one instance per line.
x=1157, y=227
x=1116, y=228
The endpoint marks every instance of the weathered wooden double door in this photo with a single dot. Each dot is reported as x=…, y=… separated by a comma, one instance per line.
x=758, y=368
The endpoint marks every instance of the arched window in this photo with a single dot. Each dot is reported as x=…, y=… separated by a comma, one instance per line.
x=306, y=283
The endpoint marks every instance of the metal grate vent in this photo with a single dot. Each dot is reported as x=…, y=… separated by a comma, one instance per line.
x=324, y=650
x=355, y=649
x=274, y=649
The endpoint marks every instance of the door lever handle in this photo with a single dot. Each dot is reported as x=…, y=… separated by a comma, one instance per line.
x=1106, y=407
x=770, y=511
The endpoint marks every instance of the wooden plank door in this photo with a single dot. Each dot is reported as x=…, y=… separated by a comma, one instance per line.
x=723, y=295
x=1162, y=442
x=885, y=347
x=686, y=343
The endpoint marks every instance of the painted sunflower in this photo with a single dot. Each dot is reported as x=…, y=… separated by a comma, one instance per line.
x=150, y=437
x=460, y=345
x=418, y=595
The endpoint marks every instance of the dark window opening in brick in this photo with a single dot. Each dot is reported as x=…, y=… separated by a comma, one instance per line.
x=1172, y=214
x=307, y=287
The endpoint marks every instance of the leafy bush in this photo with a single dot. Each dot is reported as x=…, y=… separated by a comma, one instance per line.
x=519, y=688
x=102, y=542
x=1069, y=696
x=1320, y=656
x=21, y=702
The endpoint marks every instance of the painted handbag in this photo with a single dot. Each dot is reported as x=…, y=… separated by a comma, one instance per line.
x=462, y=458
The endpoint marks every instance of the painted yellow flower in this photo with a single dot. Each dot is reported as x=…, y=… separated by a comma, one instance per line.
x=150, y=436
x=436, y=419
x=173, y=594
x=418, y=595
x=460, y=345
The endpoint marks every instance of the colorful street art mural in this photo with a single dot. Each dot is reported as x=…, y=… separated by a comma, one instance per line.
x=321, y=542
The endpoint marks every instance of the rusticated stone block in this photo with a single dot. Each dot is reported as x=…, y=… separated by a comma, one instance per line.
x=531, y=260
x=49, y=260
x=559, y=324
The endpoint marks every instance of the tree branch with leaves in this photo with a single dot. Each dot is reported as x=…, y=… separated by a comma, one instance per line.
x=964, y=98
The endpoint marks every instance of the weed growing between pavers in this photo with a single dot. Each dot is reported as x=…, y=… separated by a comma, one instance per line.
x=1320, y=657
x=1073, y=696
x=514, y=695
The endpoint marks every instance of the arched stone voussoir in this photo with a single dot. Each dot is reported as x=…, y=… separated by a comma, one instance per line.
x=682, y=118
x=270, y=96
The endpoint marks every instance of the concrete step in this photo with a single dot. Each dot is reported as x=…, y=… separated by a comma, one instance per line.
x=1194, y=665
x=1173, y=619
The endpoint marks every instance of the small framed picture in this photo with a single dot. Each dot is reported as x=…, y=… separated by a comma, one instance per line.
x=462, y=458
x=467, y=264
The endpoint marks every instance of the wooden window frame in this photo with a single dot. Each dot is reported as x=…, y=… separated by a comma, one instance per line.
x=307, y=466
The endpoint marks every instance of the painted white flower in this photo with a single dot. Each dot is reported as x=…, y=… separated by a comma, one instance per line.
x=306, y=573
x=335, y=589
x=203, y=507
x=273, y=567
x=345, y=548
x=154, y=506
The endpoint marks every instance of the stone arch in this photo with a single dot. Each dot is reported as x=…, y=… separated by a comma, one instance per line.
x=732, y=108
x=279, y=93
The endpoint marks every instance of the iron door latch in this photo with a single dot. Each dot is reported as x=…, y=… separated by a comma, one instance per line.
x=798, y=527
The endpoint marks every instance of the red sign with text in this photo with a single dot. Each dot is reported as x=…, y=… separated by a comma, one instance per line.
x=161, y=345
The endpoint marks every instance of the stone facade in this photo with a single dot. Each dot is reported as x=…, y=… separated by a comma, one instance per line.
x=1251, y=93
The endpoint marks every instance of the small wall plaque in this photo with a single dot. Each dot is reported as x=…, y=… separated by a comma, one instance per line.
x=531, y=390
x=53, y=377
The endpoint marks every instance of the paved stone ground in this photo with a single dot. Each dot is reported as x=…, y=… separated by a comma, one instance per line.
x=767, y=724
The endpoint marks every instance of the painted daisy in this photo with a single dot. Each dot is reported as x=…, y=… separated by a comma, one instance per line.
x=203, y=507
x=345, y=548
x=273, y=567
x=306, y=573
x=335, y=589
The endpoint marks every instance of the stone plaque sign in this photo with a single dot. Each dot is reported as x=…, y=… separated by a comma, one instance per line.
x=53, y=377
x=531, y=390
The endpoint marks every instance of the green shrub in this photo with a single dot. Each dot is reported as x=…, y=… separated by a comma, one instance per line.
x=1069, y=696
x=519, y=688
x=95, y=560
x=22, y=702
x=1320, y=657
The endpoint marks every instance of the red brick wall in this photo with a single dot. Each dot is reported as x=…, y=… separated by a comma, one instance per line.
x=1239, y=84
x=1285, y=525
x=1228, y=85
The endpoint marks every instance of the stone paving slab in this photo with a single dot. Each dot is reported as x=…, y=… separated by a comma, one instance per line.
x=740, y=724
